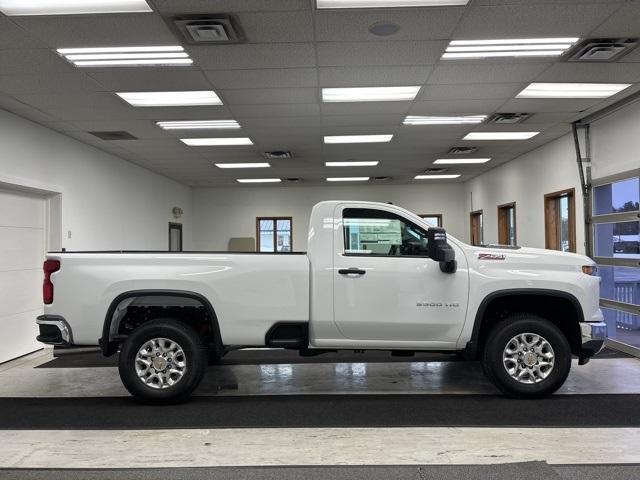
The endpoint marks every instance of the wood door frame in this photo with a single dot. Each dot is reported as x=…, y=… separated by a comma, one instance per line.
x=571, y=194
x=471, y=215
x=437, y=215
x=505, y=206
x=275, y=232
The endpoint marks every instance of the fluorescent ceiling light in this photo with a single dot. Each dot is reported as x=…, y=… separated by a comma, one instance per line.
x=572, y=90
x=216, y=142
x=387, y=3
x=372, y=163
x=460, y=161
x=71, y=7
x=258, y=180
x=243, y=165
x=519, y=47
x=435, y=177
x=500, y=135
x=369, y=94
x=126, y=56
x=457, y=120
x=347, y=179
x=170, y=99
x=198, y=124
x=358, y=138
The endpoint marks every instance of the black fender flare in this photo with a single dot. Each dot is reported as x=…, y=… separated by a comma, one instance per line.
x=471, y=349
x=109, y=346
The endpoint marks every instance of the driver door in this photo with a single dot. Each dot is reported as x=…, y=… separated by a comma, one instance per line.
x=386, y=288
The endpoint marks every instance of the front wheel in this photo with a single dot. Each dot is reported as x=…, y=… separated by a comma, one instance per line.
x=162, y=362
x=526, y=356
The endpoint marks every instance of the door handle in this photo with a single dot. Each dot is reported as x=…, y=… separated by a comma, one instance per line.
x=351, y=271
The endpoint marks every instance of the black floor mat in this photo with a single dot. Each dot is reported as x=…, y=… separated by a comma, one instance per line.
x=323, y=411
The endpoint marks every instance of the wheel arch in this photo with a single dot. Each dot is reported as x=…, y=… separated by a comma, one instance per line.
x=527, y=301
x=109, y=341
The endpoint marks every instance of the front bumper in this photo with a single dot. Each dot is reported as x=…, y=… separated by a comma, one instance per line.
x=54, y=330
x=593, y=335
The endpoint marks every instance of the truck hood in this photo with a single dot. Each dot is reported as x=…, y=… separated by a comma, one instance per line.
x=527, y=255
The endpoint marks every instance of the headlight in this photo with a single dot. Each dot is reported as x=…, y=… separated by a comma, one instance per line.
x=590, y=269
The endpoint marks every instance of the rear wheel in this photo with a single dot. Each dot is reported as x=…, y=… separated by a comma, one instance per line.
x=526, y=356
x=162, y=361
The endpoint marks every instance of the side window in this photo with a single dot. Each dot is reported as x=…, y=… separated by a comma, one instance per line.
x=380, y=233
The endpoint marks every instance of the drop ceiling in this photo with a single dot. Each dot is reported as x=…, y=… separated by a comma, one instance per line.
x=272, y=84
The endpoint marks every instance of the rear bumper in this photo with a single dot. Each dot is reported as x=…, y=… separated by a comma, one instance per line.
x=594, y=334
x=54, y=330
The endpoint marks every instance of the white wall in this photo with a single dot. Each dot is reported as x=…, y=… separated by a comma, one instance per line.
x=107, y=202
x=223, y=213
x=525, y=181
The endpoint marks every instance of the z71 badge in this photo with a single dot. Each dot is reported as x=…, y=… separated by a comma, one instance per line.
x=491, y=256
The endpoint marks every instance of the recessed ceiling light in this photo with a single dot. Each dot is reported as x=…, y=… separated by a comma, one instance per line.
x=457, y=120
x=126, y=56
x=500, y=135
x=198, y=124
x=369, y=94
x=522, y=47
x=358, y=138
x=460, y=161
x=243, y=165
x=171, y=99
x=258, y=180
x=435, y=177
x=216, y=142
x=572, y=90
x=347, y=179
x=71, y=7
x=371, y=163
x=387, y=3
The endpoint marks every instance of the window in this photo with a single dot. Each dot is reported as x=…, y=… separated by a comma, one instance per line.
x=274, y=234
x=616, y=248
x=477, y=228
x=175, y=237
x=560, y=221
x=376, y=232
x=507, y=224
x=433, y=219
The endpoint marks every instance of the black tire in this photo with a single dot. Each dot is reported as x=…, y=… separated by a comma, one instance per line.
x=195, y=359
x=497, y=340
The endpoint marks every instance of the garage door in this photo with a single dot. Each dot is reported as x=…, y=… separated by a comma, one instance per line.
x=22, y=247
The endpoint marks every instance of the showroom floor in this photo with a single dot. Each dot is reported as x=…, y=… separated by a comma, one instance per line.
x=288, y=415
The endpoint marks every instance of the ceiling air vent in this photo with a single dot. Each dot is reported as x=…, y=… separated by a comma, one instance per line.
x=114, y=135
x=435, y=170
x=208, y=29
x=508, y=118
x=601, y=49
x=380, y=179
x=278, y=155
x=293, y=180
x=462, y=150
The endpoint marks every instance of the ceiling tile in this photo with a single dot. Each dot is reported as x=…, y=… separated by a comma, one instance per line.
x=414, y=23
x=381, y=53
x=277, y=27
x=253, y=56
x=37, y=61
x=59, y=31
x=549, y=104
x=449, y=73
x=149, y=79
x=284, y=110
x=264, y=122
x=50, y=83
x=12, y=36
x=373, y=76
x=624, y=22
x=175, y=7
x=47, y=101
x=556, y=19
x=444, y=107
x=204, y=112
x=257, y=96
x=360, y=120
x=592, y=72
x=365, y=108
x=265, y=78
x=471, y=91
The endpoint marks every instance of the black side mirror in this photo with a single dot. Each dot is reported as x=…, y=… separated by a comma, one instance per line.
x=439, y=250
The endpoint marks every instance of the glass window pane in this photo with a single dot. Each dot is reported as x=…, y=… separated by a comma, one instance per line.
x=284, y=225
x=433, y=221
x=621, y=284
x=617, y=197
x=622, y=326
x=617, y=240
x=284, y=242
x=563, y=231
x=266, y=241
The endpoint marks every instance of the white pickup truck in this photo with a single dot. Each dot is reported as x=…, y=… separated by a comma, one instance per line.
x=376, y=276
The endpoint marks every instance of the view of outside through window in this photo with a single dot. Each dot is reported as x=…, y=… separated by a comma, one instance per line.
x=564, y=231
x=275, y=234
x=619, y=241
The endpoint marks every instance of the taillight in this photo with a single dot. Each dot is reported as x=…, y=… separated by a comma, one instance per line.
x=49, y=267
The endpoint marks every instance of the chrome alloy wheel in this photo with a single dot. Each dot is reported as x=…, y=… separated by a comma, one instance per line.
x=160, y=363
x=528, y=358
